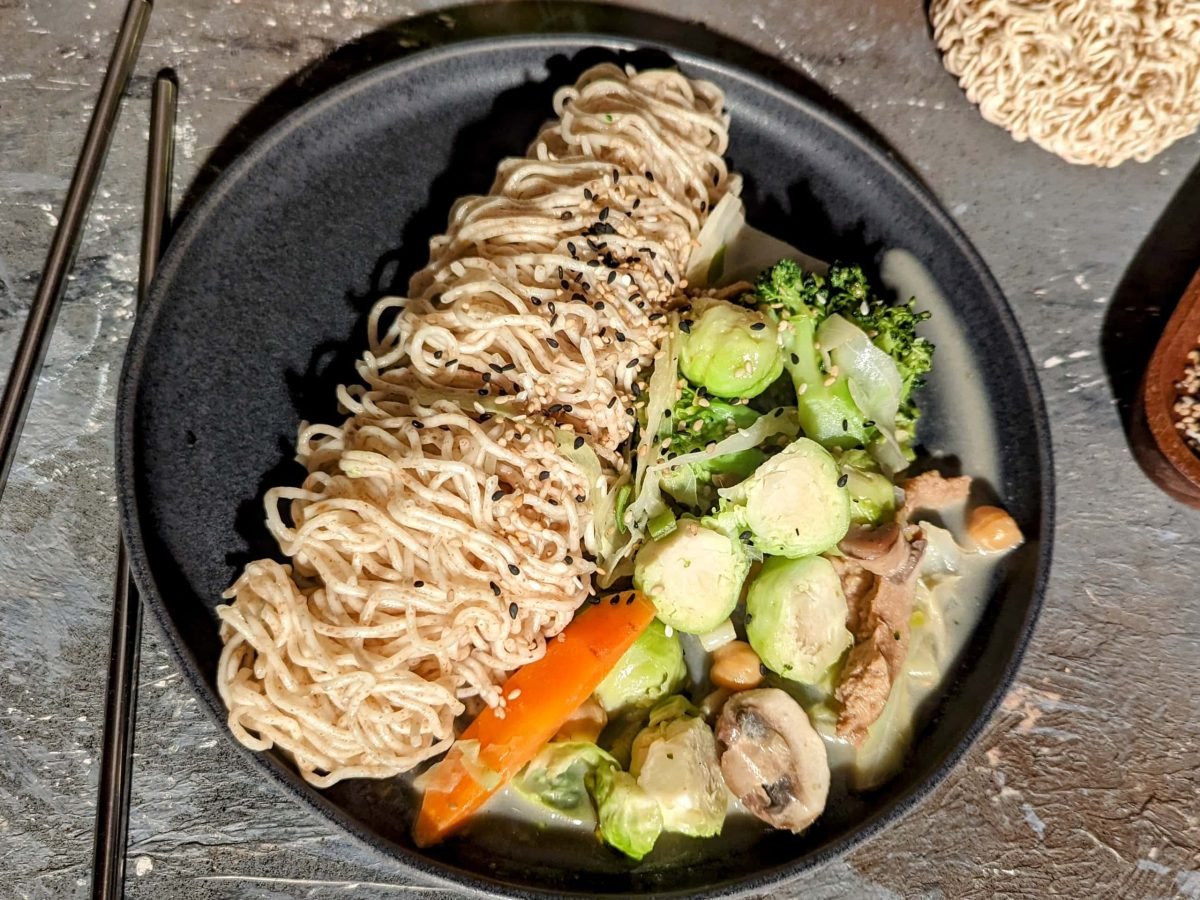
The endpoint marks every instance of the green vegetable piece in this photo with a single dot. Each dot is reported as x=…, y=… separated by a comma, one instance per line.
x=662, y=524
x=730, y=350
x=629, y=818
x=557, y=777
x=695, y=484
x=805, y=299
x=649, y=670
x=872, y=495
x=675, y=762
x=792, y=505
x=693, y=576
x=624, y=495
x=796, y=617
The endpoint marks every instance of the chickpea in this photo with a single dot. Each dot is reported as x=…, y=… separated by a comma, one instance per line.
x=585, y=724
x=736, y=667
x=992, y=529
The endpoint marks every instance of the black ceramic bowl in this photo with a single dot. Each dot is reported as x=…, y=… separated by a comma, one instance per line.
x=257, y=313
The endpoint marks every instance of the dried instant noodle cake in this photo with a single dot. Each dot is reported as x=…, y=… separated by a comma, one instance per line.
x=1095, y=81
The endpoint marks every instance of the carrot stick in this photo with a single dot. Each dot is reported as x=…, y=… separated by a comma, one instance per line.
x=540, y=698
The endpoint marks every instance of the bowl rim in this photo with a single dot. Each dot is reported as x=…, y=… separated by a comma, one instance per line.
x=284, y=780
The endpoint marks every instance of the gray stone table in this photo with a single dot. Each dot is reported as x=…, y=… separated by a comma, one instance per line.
x=1085, y=784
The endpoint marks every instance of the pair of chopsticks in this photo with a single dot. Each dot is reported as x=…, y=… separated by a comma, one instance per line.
x=112, y=806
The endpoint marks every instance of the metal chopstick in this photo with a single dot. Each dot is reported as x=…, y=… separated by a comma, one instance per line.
x=31, y=349
x=116, y=760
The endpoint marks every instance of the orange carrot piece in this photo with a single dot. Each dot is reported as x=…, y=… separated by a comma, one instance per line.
x=540, y=697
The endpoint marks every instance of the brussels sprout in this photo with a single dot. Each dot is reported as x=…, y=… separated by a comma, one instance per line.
x=629, y=818
x=796, y=617
x=557, y=777
x=872, y=494
x=675, y=762
x=730, y=350
x=652, y=668
x=693, y=576
x=793, y=505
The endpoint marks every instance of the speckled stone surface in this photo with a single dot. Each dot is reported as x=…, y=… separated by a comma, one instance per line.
x=1086, y=783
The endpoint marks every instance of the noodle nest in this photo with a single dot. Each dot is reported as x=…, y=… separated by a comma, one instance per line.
x=1095, y=81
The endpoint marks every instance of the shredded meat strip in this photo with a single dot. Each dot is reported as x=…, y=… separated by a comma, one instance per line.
x=879, y=578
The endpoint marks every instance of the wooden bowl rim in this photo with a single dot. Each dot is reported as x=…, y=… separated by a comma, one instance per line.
x=1181, y=335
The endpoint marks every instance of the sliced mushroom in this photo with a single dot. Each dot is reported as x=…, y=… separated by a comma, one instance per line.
x=772, y=758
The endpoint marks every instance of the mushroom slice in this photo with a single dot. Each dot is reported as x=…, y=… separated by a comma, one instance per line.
x=773, y=759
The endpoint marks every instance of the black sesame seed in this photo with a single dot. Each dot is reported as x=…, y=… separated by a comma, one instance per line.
x=578, y=298
x=649, y=175
x=537, y=302
x=579, y=442
x=418, y=424
x=843, y=480
x=763, y=670
x=437, y=354
x=512, y=610
x=868, y=423
x=611, y=402
x=637, y=391
x=612, y=276
x=637, y=201
x=451, y=362
x=615, y=600
x=594, y=600
x=482, y=392
x=587, y=194
x=621, y=337
x=496, y=367
x=703, y=206
x=487, y=377
x=603, y=214
x=593, y=263
x=599, y=304
x=550, y=306
x=795, y=360
x=571, y=247
x=716, y=178
x=508, y=367
x=568, y=560
x=686, y=326
x=552, y=342
x=567, y=407
x=418, y=584
x=579, y=498
x=565, y=285
x=616, y=176
x=633, y=363
x=485, y=417
x=499, y=495
x=495, y=588
x=758, y=326
x=543, y=475
x=654, y=317
x=669, y=276
x=566, y=214
x=746, y=536
x=630, y=598
x=845, y=424
x=666, y=413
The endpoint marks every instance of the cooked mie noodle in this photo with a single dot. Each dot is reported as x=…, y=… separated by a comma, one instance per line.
x=1095, y=81
x=438, y=540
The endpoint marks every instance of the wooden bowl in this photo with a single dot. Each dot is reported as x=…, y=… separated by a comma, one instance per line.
x=1167, y=459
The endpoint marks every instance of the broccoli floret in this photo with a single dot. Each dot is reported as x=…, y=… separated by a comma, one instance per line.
x=828, y=413
x=717, y=420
